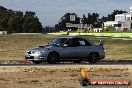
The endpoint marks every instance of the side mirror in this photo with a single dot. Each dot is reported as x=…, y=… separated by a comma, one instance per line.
x=65, y=45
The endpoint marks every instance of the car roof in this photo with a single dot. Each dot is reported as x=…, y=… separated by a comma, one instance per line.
x=70, y=37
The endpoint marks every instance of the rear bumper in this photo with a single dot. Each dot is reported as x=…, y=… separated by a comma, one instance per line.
x=102, y=55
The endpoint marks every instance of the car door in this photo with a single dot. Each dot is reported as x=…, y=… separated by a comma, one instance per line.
x=86, y=48
x=70, y=51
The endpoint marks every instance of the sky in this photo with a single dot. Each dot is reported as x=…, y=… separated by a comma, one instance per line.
x=50, y=11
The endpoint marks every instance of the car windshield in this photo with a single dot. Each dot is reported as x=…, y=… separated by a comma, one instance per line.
x=57, y=42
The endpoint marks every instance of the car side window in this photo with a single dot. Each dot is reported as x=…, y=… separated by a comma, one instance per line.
x=72, y=43
x=77, y=42
x=68, y=42
x=83, y=42
x=86, y=43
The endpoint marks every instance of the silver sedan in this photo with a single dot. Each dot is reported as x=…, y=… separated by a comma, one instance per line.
x=73, y=49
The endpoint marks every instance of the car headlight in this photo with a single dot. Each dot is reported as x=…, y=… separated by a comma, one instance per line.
x=36, y=52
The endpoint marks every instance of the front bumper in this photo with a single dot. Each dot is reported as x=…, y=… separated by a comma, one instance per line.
x=35, y=58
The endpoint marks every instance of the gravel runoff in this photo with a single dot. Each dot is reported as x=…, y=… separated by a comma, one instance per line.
x=2, y=62
x=14, y=62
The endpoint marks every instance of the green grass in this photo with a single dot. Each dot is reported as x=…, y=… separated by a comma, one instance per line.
x=122, y=34
x=13, y=47
x=116, y=49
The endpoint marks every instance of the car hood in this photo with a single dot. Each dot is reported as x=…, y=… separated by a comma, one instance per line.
x=41, y=48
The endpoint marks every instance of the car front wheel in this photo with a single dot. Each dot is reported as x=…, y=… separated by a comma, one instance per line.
x=52, y=58
x=93, y=58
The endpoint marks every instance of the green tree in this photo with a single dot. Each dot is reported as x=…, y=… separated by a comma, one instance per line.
x=31, y=24
x=3, y=24
x=84, y=19
x=109, y=29
x=61, y=26
x=111, y=17
x=16, y=22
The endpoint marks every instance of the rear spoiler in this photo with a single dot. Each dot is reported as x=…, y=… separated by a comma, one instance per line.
x=101, y=42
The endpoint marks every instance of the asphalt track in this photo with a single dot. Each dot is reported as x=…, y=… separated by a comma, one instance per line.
x=27, y=63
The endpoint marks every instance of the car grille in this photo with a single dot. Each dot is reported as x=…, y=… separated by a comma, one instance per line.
x=31, y=57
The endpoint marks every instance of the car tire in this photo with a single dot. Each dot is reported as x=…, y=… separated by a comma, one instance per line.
x=93, y=58
x=36, y=62
x=52, y=58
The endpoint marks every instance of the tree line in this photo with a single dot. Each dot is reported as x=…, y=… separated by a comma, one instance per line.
x=91, y=19
x=19, y=22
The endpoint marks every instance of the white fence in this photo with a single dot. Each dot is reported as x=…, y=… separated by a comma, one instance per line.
x=3, y=32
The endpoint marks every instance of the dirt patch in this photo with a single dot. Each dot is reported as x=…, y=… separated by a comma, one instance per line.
x=60, y=76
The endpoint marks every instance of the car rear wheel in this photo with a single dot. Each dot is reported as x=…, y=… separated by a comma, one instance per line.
x=93, y=58
x=36, y=62
x=52, y=58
